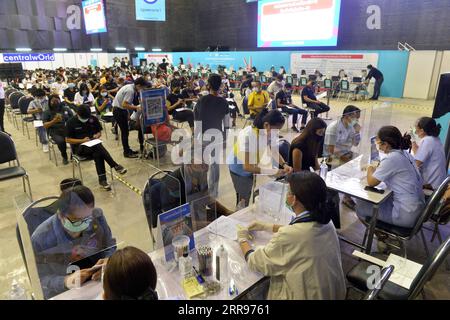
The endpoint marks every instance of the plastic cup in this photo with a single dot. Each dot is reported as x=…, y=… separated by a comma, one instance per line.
x=180, y=246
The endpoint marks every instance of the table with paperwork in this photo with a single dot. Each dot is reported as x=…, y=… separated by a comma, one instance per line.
x=169, y=285
x=350, y=180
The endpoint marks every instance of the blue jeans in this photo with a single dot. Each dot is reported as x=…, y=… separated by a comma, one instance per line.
x=42, y=133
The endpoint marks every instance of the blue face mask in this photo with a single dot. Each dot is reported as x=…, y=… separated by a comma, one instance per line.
x=71, y=85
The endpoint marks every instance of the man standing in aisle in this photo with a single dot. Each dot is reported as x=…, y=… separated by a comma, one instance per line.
x=379, y=79
x=123, y=102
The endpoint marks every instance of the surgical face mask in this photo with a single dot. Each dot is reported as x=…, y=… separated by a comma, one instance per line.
x=84, y=93
x=354, y=122
x=78, y=226
x=83, y=120
x=71, y=85
x=104, y=94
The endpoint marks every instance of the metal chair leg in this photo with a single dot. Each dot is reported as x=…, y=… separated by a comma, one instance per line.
x=29, y=186
x=28, y=131
x=424, y=242
x=73, y=168
x=79, y=170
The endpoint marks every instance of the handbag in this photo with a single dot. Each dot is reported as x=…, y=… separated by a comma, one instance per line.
x=162, y=132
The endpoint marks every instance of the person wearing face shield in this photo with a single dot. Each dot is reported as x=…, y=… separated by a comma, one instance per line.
x=341, y=135
x=55, y=119
x=36, y=109
x=123, y=104
x=78, y=230
x=303, y=259
x=83, y=128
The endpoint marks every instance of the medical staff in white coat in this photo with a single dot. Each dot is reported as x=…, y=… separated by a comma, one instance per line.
x=399, y=172
x=303, y=259
x=429, y=152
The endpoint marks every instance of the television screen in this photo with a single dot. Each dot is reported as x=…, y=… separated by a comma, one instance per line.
x=94, y=16
x=298, y=23
x=151, y=10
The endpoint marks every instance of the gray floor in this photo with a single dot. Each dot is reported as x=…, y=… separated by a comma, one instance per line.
x=124, y=211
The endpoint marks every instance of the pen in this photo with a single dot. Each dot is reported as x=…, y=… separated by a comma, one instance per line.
x=198, y=276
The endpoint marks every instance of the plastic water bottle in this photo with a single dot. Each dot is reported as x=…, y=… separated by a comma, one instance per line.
x=222, y=265
x=185, y=265
x=323, y=170
x=17, y=291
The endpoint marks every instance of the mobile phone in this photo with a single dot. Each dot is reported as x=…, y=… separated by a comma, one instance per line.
x=373, y=189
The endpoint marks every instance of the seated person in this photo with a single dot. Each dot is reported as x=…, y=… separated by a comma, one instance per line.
x=341, y=136
x=84, y=96
x=83, y=128
x=257, y=100
x=189, y=95
x=304, y=150
x=55, y=119
x=77, y=231
x=103, y=105
x=177, y=108
x=303, y=259
x=284, y=102
x=429, y=153
x=276, y=86
x=130, y=275
x=245, y=161
x=311, y=101
x=36, y=109
x=400, y=174
x=69, y=93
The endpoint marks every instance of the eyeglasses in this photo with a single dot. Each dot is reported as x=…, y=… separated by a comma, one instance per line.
x=80, y=222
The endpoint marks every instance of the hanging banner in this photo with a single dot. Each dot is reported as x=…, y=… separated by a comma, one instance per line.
x=153, y=104
x=151, y=10
x=158, y=58
x=28, y=57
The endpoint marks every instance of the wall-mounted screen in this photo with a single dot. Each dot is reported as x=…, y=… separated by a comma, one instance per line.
x=151, y=10
x=94, y=16
x=298, y=23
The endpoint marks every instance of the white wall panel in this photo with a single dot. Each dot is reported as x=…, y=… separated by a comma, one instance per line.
x=419, y=76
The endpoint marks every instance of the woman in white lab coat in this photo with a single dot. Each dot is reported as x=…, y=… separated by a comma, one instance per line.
x=303, y=259
x=429, y=152
x=399, y=172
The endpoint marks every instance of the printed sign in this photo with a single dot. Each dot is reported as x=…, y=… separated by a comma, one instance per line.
x=153, y=104
x=151, y=10
x=28, y=57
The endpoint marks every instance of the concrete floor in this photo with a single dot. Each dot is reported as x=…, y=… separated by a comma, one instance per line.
x=124, y=210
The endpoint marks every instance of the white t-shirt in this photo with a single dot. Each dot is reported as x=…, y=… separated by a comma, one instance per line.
x=2, y=91
x=432, y=155
x=79, y=99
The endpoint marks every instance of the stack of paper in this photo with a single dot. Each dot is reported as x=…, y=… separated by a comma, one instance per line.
x=225, y=227
x=192, y=288
x=92, y=143
x=38, y=123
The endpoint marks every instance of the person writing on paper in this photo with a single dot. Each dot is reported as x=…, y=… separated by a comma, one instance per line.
x=257, y=100
x=341, y=136
x=429, y=152
x=84, y=96
x=70, y=92
x=303, y=259
x=311, y=101
x=130, y=275
x=78, y=230
x=276, y=86
x=124, y=103
x=103, y=105
x=177, y=108
x=55, y=119
x=36, y=109
x=284, y=102
x=83, y=128
x=254, y=142
x=304, y=150
x=400, y=174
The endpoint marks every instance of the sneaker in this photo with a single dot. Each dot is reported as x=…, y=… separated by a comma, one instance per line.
x=295, y=129
x=65, y=161
x=45, y=148
x=120, y=169
x=105, y=185
x=130, y=155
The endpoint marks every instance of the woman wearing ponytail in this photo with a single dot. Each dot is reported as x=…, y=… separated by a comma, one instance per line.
x=429, y=152
x=302, y=259
x=399, y=172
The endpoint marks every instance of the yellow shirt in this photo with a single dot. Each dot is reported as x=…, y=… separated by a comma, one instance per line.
x=103, y=81
x=257, y=101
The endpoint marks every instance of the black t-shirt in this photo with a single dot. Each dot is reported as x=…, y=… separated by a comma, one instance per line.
x=75, y=129
x=163, y=66
x=173, y=98
x=60, y=127
x=211, y=110
x=286, y=99
x=308, y=155
x=375, y=73
x=70, y=94
x=110, y=85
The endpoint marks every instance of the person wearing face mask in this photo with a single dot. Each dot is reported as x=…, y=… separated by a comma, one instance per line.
x=103, y=105
x=340, y=137
x=284, y=102
x=36, y=109
x=58, y=87
x=83, y=128
x=276, y=86
x=254, y=143
x=399, y=172
x=84, y=96
x=257, y=100
x=429, y=152
x=69, y=93
x=177, y=108
x=304, y=150
x=123, y=103
x=309, y=97
x=303, y=259
x=55, y=119
x=78, y=230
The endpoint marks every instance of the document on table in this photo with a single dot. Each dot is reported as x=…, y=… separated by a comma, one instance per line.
x=225, y=227
x=108, y=114
x=92, y=143
x=38, y=123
